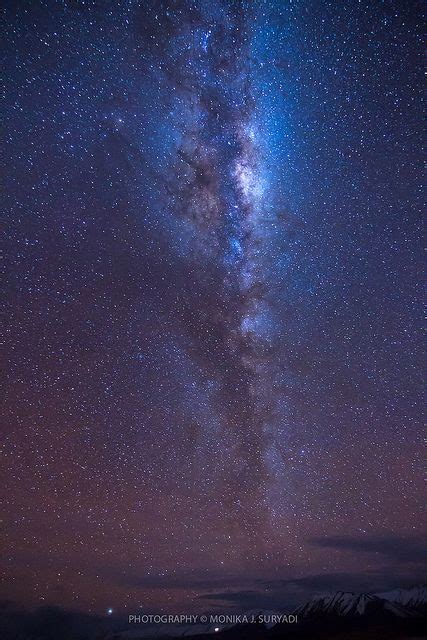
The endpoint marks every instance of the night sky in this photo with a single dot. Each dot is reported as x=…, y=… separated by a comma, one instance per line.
x=213, y=250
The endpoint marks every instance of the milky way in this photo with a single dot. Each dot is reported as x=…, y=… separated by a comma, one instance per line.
x=213, y=255
x=217, y=187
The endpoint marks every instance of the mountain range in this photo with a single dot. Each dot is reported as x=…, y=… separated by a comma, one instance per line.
x=399, y=614
x=396, y=614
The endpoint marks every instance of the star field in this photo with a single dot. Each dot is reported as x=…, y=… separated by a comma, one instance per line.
x=213, y=380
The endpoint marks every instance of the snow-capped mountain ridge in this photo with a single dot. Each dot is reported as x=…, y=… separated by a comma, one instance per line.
x=414, y=598
x=340, y=603
x=348, y=604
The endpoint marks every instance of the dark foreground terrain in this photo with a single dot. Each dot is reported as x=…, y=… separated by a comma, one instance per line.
x=396, y=615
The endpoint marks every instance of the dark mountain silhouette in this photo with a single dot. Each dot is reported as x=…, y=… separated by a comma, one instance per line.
x=399, y=614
